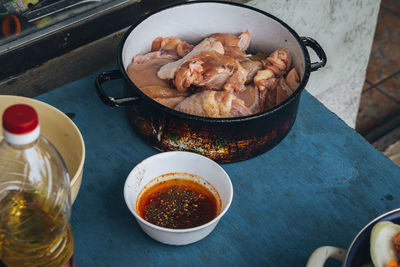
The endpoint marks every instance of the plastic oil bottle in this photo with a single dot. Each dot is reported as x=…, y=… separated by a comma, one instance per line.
x=34, y=195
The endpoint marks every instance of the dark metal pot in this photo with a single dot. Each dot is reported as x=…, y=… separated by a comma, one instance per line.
x=221, y=139
x=358, y=253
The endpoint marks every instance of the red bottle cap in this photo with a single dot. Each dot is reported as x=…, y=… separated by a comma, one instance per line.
x=20, y=119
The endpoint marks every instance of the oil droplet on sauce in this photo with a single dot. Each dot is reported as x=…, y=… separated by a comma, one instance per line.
x=177, y=204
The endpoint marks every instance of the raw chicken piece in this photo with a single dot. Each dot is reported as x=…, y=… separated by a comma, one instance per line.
x=283, y=91
x=251, y=98
x=164, y=95
x=219, y=68
x=268, y=98
x=279, y=61
x=259, y=56
x=212, y=71
x=276, y=65
x=234, y=45
x=265, y=79
x=270, y=81
x=209, y=44
x=170, y=43
x=293, y=79
x=145, y=74
x=166, y=54
x=213, y=104
x=162, y=92
x=156, y=44
x=239, y=109
x=235, y=83
x=266, y=82
x=170, y=102
x=252, y=66
x=182, y=48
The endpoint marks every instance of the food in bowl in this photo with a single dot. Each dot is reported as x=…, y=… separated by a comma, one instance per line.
x=215, y=78
x=385, y=244
x=181, y=165
x=369, y=248
x=178, y=203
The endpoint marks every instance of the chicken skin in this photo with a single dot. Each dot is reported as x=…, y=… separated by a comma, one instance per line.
x=293, y=79
x=252, y=66
x=211, y=71
x=214, y=104
x=279, y=61
x=234, y=45
x=215, y=78
x=145, y=74
x=167, y=96
x=169, y=70
x=182, y=48
x=274, y=89
x=251, y=98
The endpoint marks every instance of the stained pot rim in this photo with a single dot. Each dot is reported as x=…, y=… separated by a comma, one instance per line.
x=188, y=116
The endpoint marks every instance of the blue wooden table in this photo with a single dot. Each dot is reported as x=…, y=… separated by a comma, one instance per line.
x=319, y=186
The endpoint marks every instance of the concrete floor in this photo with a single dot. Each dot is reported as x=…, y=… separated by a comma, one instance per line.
x=380, y=99
x=378, y=119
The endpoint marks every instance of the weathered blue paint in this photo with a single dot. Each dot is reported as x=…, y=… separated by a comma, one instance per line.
x=320, y=186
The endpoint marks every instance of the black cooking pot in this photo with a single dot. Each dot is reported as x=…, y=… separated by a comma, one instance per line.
x=222, y=139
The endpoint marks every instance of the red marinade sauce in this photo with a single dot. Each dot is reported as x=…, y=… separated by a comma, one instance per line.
x=177, y=204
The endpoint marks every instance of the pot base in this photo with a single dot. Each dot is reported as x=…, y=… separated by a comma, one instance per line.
x=220, y=143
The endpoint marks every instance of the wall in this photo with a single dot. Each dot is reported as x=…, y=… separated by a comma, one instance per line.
x=345, y=30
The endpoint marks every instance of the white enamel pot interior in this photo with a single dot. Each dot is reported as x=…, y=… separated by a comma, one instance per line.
x=178, y=162
x=189, y=23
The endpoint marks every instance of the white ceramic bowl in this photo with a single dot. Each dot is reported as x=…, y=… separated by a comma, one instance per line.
x=177, y=162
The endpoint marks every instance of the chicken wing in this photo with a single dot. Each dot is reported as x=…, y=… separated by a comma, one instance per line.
x=279, y=61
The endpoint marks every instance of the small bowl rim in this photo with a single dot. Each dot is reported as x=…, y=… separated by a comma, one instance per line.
x=192, y=229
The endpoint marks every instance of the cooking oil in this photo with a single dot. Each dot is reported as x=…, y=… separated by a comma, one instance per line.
x=33, y=232
x=35, y=203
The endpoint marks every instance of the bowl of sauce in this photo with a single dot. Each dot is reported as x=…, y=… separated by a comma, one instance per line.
x=178, y=197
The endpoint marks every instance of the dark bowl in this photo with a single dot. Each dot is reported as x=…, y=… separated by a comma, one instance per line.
x=358, y=252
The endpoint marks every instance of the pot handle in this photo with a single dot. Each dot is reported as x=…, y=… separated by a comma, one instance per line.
x=314, y=45
x=320, y=255
x=109, y=100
